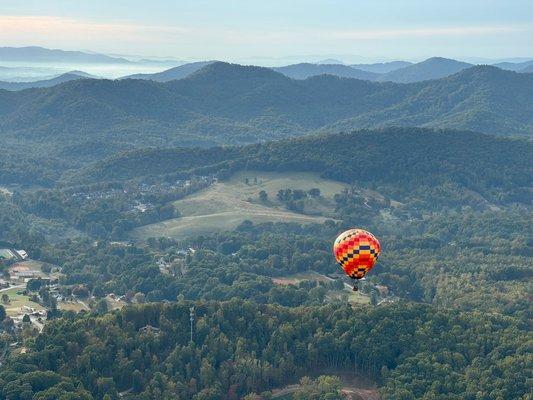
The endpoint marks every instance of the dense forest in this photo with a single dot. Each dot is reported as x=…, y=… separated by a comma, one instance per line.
x=239, y=348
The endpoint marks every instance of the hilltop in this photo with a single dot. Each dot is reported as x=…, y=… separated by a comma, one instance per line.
x=179, y=72
x=432, y=68
x=306, y=70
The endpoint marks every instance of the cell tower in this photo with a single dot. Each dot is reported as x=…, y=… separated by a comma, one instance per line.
x=191, y=314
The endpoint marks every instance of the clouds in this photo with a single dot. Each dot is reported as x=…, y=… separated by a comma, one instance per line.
x=198, y=39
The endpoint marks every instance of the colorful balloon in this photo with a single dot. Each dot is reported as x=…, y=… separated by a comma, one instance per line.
x=356, y=250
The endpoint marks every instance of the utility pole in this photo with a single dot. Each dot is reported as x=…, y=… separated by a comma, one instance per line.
x=191, y=310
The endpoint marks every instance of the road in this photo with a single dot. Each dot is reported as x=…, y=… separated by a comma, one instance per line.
x=13, y=287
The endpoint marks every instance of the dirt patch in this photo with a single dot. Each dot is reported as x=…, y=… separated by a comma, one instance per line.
x=355, y=386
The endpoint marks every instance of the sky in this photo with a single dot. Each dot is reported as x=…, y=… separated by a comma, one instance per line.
x=274, y=30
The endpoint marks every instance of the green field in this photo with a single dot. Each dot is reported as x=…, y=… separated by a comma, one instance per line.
x=354, y=298
x=295, y=279
x=71, y=306
x=17, y=302
x=223, y=206
x=6, y=254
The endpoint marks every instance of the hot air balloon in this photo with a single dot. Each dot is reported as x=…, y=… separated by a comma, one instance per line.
x=356, y=251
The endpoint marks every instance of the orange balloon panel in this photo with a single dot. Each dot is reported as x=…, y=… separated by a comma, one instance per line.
x=356, y=250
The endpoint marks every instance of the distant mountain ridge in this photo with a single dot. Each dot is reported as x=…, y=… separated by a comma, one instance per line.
x=306, y=70
x=178, y=72
x=517, y=67
x=69, y=76
x=231, y=104
x=382, y=68
x=432, y=68
x=395, y=71
x=41, y=54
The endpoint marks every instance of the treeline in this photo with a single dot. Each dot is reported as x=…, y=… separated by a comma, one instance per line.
x=240, y=348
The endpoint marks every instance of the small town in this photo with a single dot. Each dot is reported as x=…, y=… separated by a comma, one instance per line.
x=30, y=291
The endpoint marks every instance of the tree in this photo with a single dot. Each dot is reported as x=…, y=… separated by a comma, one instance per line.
x=137, y=381
x=34, y=285
x=8, y=324
x=323, y=388
x=26, y=319
x=80, y=291
x=101, y=306
x=5, y=298
x=139, y=298
x=263, y=196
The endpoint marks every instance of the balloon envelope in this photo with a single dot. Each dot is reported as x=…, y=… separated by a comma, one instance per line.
x=356, y=250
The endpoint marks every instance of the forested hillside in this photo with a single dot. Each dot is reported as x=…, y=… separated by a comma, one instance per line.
x=405, y=161
x=268, y=104
x=240, y=348
x=51, y=130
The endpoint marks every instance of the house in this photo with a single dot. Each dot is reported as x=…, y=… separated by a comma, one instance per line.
x=149, y=329
x=22, y=254
x=23, y=273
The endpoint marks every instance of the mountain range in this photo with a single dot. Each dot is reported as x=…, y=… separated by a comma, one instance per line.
x=35, y=54
x=230, y=104
x=395, y=71
x=64, y=127
x=518, y=67
x=69, y=76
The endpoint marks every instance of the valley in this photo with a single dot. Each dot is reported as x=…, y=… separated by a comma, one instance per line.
x=183, y=222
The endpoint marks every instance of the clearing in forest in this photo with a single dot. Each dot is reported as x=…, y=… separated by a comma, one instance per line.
x=225, y=205
x=354, y=298
x=18, y=304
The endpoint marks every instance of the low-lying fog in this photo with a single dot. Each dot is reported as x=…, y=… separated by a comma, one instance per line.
x=27, y=72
